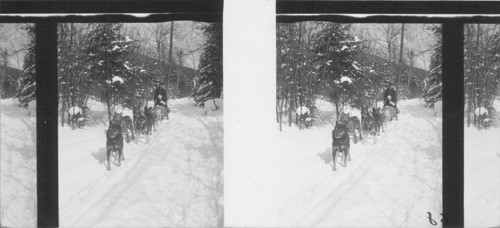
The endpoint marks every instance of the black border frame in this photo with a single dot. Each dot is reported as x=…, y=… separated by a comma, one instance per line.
x=46, y=75
x=46, y=125
x=386, y=7
x=211, y=11
x=107, y=6
x=453, y=69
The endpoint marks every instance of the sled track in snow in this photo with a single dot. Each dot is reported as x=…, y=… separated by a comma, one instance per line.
x=380, y=142
x=114, y=177
x=342, y=178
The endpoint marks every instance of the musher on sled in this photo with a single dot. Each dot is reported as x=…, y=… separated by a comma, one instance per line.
x=160, y=97
x=390, y=98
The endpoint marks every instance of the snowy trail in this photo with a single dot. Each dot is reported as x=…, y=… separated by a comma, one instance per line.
x=482, y=176
x=392, y=183
x=170, y=181
x=18, y=207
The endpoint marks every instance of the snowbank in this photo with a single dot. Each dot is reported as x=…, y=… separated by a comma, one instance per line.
x=213, y=105
x=74, y=110
x=117, y=79
x=481, y=111
x=346, y=79
x=482, y=177
x=302, y=110
x=17, y=165
x=32, y=108
x=438, y=108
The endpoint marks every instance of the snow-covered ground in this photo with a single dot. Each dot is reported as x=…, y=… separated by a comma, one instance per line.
x=392, y=183
x=17, y=165
x=482, y=176
x=174, y=180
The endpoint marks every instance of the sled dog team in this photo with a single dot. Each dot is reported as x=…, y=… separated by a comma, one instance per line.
x=123, y=127
x=370, y=124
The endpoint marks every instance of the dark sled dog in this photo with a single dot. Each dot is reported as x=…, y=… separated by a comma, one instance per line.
x=340, y=143
x=127, y=128
x=352, y=124
x=364, y=112
x=150, y=120
x=161, y=112
x=488, y=119
x=140, y=122
x=378, y=120
x=114, y=143
x=77, y=121
x=366, y=121
x=117, y=118
x=140, y=125
x=136, y=112
x=81, y=118
x=368, y=126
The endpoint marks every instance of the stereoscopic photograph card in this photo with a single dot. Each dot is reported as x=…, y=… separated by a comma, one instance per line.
x=332, y=114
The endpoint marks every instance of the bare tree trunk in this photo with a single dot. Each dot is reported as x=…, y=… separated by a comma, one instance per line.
x=170, y=52
x=467, y=86
x=3, y=73
x=389, y=47
x=108, y=104
x=278, y=110
x=5, y=58
x=179, y=75
x=170, y=60
x=279, y=86
x=400, y=58
x=291, y=107
x=474, y=89
x=63, y=48
x=337, y=110
x=284, y=100
x=285, y=108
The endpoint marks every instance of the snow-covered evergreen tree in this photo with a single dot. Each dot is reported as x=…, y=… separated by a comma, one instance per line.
x=481, y=68
x=336, y=50
x=434, y=81
x=209, y=83
x=4, y=63
x=27, y=83
x=110, y=72
x=74, y=86
x=297, y=81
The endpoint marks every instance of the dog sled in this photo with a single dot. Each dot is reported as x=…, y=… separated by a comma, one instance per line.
x=390, y=113
x=79, y=116
x=161, y=112
x=306, y=116
x=486, y=117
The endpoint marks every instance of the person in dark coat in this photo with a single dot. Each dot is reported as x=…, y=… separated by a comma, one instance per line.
x=390, y=98
x=160, y=95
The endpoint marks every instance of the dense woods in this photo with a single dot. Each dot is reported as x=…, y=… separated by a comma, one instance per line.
x=17, y=62
x=350, y=64
x=481, y=72
x=119, y=64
